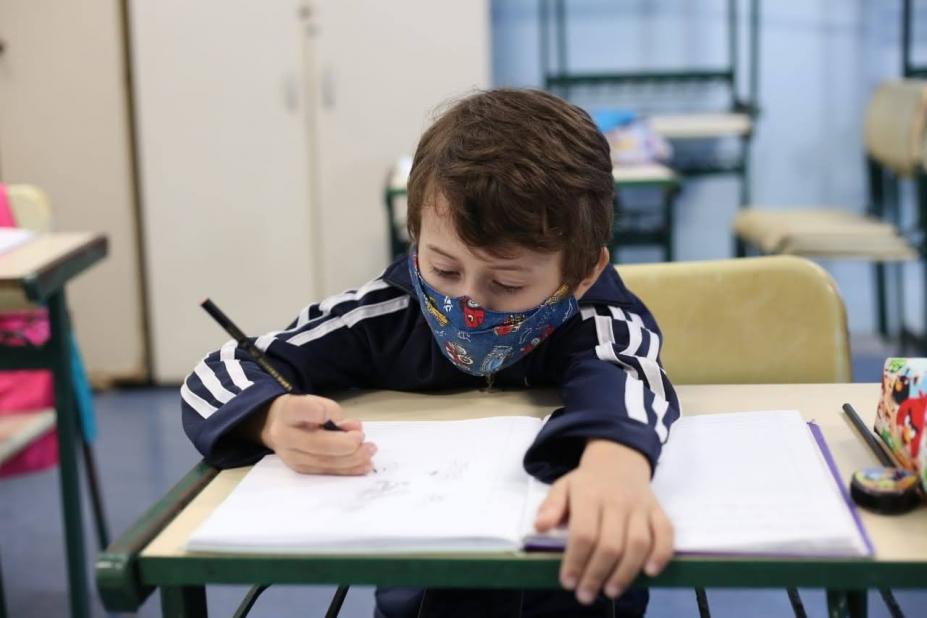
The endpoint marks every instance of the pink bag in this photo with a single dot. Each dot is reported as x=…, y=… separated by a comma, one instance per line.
x=25, y=391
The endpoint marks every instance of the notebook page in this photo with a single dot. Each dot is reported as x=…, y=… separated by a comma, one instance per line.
x=741, y=483
x=12, y=237
x=438, y=485
x=752, y=482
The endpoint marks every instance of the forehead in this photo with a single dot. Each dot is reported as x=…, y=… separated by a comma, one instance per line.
x=438, y=232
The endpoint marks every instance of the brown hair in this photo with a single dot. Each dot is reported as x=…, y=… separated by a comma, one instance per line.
x=518, y=167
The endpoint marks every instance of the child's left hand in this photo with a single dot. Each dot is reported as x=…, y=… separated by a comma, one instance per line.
x=616, y=525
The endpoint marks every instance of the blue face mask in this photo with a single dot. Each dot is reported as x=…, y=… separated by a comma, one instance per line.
x=482, y=342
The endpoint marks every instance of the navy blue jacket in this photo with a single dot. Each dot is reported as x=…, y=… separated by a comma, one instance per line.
x=604, y=360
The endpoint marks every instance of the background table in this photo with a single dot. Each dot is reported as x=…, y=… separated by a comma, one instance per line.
x=36, y=273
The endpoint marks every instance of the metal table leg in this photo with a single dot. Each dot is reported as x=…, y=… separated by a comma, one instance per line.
x=59, y=347
x=183, y=602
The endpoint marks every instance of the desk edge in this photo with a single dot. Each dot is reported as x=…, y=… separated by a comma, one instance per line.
x=117, y=573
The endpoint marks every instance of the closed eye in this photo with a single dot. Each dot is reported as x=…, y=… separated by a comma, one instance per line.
x=509, y=289
x=444, y=274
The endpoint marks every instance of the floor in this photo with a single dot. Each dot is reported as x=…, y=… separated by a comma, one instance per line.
x=142, y=451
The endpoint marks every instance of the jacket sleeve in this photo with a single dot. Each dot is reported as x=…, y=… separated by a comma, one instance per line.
x=327, y=347
x=612, y=385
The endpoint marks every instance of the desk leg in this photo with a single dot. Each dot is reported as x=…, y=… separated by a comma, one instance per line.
x=2, y=599
x=846, y=604
x=183, y=601
x=66, y=417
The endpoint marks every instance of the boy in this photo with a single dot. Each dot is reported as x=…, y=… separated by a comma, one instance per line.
x=507, y=283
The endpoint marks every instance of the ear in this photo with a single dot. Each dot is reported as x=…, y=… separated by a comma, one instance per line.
x=583, y=286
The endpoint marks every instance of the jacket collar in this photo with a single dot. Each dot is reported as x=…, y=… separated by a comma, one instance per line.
x=608, y=289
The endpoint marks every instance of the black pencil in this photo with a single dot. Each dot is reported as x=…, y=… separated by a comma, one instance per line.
x=867, y=436
x=254, y=352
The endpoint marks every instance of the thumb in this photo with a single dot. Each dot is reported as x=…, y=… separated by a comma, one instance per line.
x=554, y=508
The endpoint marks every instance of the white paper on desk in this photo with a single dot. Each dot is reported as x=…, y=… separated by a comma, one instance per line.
x=753, y=482
x=12, y=237
x=448, y=485
x=744, y=483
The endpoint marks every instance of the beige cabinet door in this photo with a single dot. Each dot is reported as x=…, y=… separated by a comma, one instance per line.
x=224, y=169
x=64, y=127
x=380, y=70
x=266, y=131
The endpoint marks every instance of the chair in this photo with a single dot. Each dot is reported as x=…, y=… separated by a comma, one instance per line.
x=762, y=320
x=894, y=133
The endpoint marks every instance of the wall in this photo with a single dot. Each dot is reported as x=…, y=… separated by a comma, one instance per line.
x=820, y=59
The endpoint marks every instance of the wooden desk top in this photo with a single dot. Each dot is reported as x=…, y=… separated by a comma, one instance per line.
x=896, y=539
x=701, y=126
x=39, y=267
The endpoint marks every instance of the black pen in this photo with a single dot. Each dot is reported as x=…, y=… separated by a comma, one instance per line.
x=870, y=439
x=254, y=352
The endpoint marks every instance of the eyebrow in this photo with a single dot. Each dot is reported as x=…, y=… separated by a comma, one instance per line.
x=510, y=267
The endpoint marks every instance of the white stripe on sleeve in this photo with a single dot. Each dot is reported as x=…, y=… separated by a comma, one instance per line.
x=660, y=406
x=634, y=399
x=652, y=370
x=211, y=383
x=349, y=319
x=263, y=342
x=203, y=407
x=606, y=348
x=233, y=365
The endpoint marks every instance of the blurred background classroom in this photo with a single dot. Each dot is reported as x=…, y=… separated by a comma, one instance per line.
x=256, y=152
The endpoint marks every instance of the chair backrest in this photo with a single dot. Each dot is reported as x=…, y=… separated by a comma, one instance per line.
x=777, y=319
x=895, y=125
x=31, y=207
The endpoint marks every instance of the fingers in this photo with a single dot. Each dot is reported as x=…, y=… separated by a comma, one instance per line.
x=350, y=425
x=323, y=442
x=359, y=462
x=608, y=550
x=662, y=551
x=583, y=534
x=637, y=547
x=554, y=508
x=294, y=431
x=307, y=410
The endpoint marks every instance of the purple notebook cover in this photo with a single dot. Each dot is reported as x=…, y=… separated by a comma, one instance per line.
x=553, y=544
x=822, y=444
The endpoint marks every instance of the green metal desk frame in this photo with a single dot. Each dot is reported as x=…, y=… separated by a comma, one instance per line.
x=125, y=578
x=46, y=287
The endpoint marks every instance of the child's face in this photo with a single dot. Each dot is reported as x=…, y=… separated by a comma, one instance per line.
x=520, y=281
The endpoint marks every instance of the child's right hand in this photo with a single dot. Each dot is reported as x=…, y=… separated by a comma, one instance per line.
x=293, y=430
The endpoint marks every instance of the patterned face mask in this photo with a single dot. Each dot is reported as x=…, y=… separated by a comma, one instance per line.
x=482, y=342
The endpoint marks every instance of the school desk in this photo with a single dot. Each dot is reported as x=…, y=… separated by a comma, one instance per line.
x=36, y=273
x=151, y=553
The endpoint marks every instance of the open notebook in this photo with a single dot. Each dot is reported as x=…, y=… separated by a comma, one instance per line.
x=751, y=482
